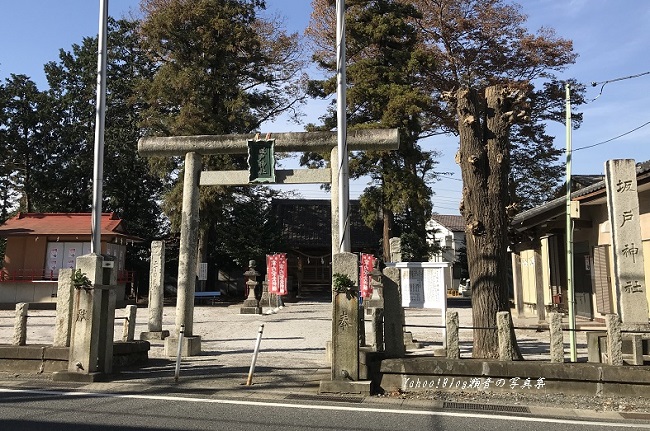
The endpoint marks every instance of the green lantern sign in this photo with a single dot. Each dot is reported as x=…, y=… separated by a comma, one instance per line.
x=261, y=161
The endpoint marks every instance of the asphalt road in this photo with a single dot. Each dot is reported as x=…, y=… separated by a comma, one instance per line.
x=62, y=410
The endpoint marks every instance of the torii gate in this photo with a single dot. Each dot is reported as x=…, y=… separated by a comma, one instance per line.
x=194, y=147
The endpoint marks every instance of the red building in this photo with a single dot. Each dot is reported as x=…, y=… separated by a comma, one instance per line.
x=39, y=244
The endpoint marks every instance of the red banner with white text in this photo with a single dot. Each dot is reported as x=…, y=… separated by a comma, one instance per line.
x=276, y=268
x=367, y=264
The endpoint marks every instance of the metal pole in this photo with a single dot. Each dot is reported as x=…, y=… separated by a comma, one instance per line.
x=249, y=381
x=98, y=161
x=341, y=126
x=178, y=352
x=569, y=233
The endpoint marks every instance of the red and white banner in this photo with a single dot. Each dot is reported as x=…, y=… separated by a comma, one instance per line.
x=276, y=268
x=367, y=265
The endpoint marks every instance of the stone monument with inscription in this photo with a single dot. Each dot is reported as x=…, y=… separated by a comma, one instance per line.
x=623, y=209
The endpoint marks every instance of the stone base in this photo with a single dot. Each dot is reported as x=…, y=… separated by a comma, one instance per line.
x=346, y=387
x=410, y=343
x=250, y=310
x=67, y=376
x=154, y=335
x=191, y=346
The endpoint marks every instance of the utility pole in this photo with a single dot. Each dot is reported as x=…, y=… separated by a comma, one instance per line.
x=341, y=126
x=98, y=161
x=569, y=233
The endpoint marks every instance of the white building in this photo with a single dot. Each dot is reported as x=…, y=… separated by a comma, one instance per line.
x=448, y=231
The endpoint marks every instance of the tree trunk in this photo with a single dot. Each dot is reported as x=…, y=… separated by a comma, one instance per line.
x=387, y=232
x=484, y=160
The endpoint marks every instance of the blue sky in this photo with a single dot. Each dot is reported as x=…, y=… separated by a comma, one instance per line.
x=612, y=38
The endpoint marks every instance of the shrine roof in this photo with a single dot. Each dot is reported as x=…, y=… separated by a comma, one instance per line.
x=24, y=224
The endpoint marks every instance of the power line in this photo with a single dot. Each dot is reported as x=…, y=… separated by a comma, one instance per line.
x=614, y=138
x=594, y=84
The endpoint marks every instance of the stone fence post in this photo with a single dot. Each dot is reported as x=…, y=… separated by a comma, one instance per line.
x=557, y=337
x=503, y=331
x=453, y=344
x=128, y=333
x=393, y=314
x=614, y=340
x=64, y=307
x=20, y=324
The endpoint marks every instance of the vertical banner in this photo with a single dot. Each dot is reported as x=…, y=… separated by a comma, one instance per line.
x=282, y=274
x=276, y=268
x=367, y=265
x=272, y=271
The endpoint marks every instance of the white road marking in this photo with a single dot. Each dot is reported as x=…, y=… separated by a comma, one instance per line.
x=331, y=408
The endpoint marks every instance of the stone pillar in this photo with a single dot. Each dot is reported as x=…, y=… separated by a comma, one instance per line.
x=395, y=245
x=393, y=314
x=20, y=324
x=517, y=284
x=557, y=337
x=345, y=318
x=156, y=286
x=614, y=340
x=187, y=262
x=453, y=343
x=334, y=195
x=91, y=342
x=128, y=333
x=188, y=246
x=506, y=352
x=251, y=304
x=627, y=247
x=64, y=306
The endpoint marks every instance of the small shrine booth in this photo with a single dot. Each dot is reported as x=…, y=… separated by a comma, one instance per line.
x=40, y=244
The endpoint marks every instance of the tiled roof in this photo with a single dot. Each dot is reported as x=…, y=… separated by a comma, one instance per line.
x=60, y=224
x=308, y=224
x=559, y=204
x=454, y=223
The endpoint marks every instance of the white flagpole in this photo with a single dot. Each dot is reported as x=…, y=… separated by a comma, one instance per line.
x=344, y=175
x=98, y=161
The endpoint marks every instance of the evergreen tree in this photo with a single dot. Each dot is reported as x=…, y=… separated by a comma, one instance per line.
x=385, y=67
x=22, y=132
x=219, y=69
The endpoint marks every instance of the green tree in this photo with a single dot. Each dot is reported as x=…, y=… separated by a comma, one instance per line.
x=384, y=72
x=219, y=69
x=129, y=188
x=494, y=85
x=21, y=133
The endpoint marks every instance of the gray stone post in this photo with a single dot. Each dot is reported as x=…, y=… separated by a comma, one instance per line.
x=557, y=337
x=156, y=286
x=627, y=246
x=188, y=246
x=345, y=318
x=453, y=343
x=395, y=245
x=334, y=195
x=503, y=331
x=85, y=353
x=64, y=306
x=614, y=340
x=20, y=324
x=393, y=314
x=128, y=332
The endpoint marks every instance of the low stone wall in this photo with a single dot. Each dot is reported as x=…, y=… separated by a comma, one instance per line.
x=439, y=374
x=40, y=359
x=13, y=292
